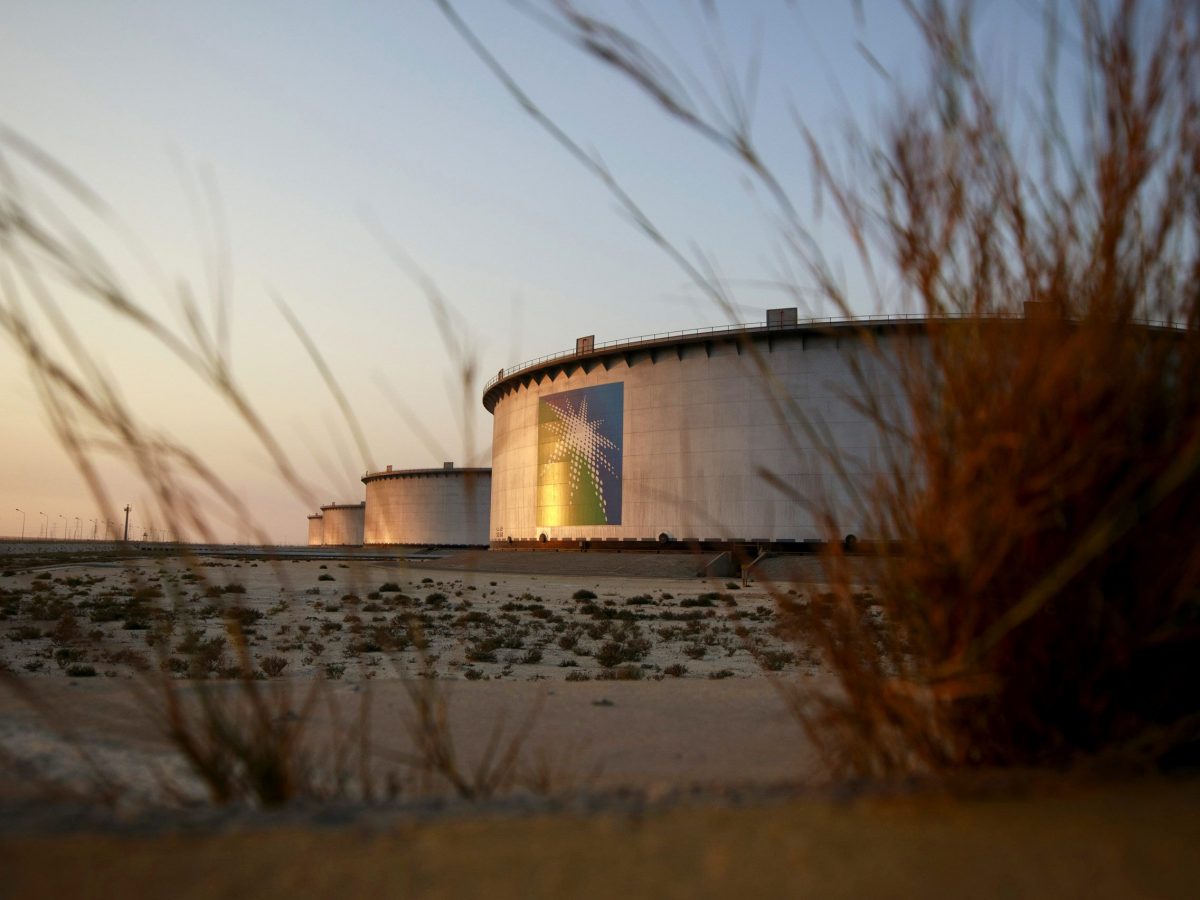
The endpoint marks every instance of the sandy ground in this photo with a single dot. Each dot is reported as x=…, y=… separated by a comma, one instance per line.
x=327, y=617
x=649, y=682
x=653, y=736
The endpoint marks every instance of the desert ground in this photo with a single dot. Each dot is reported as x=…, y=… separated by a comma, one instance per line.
x=620, y=680
x=647, y=711
x=350, y=621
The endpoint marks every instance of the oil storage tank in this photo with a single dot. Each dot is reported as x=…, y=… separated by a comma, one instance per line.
x=316, y=533
x=342, y=525
x=736, y=433
x=440, y=507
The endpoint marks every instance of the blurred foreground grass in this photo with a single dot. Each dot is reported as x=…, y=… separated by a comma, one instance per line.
x=1120, y=840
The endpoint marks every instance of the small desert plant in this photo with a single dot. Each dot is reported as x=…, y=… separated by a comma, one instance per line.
x=613, y=653
x=483, y=651
x=65, y=656
x=627, y=672
x=775, y=660
x=67, y=629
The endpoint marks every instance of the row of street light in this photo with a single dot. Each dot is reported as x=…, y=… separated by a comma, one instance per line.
x=73, y=529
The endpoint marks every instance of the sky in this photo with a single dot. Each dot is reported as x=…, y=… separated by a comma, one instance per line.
x=332, y=133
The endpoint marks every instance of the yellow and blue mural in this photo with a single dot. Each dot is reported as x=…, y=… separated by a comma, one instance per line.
x=580, y=439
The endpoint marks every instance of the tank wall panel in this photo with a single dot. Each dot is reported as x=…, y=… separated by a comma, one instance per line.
x=316, y=531
x=698, y=431
x=451, y=509
x=343, y=526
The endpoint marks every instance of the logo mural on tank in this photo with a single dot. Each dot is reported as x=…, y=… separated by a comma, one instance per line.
x=580, y=442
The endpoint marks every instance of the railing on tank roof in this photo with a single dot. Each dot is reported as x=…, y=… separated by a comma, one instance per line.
x=618, y=343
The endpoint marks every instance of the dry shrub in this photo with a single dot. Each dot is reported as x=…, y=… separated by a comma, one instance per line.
x=1045, y=603
x=1040, y=471
x=1045, y=606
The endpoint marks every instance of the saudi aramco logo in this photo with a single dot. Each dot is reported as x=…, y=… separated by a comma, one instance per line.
x=579, y=456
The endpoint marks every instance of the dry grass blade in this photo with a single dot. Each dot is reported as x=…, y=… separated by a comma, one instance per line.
x=435, y=754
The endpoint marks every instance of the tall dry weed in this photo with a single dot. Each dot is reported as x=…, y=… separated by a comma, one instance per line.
x=1046, y=603
x=1040, y=443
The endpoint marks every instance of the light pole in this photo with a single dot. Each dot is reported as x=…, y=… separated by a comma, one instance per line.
x=22, y=512
x=45, y=525
x=78, y=529
x=64, y=518
x=95, y=525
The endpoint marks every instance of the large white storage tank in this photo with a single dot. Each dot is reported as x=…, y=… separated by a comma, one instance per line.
x=342, y=525
x=702, y=435
x=439, y=507
x=316, y=533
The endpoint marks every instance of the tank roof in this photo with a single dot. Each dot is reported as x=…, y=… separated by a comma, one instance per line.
x=724, y=333
x=344, y=505
x=749, y=330
x=420, y=473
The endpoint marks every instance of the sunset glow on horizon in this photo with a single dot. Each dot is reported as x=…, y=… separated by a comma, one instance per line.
x=248, y=152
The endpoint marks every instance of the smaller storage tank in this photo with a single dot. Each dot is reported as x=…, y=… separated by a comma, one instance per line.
x=316, y=535
x=446, y=507
x=342, y=525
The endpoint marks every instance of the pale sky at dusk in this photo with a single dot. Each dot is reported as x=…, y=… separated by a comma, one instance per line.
x=315, y=118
